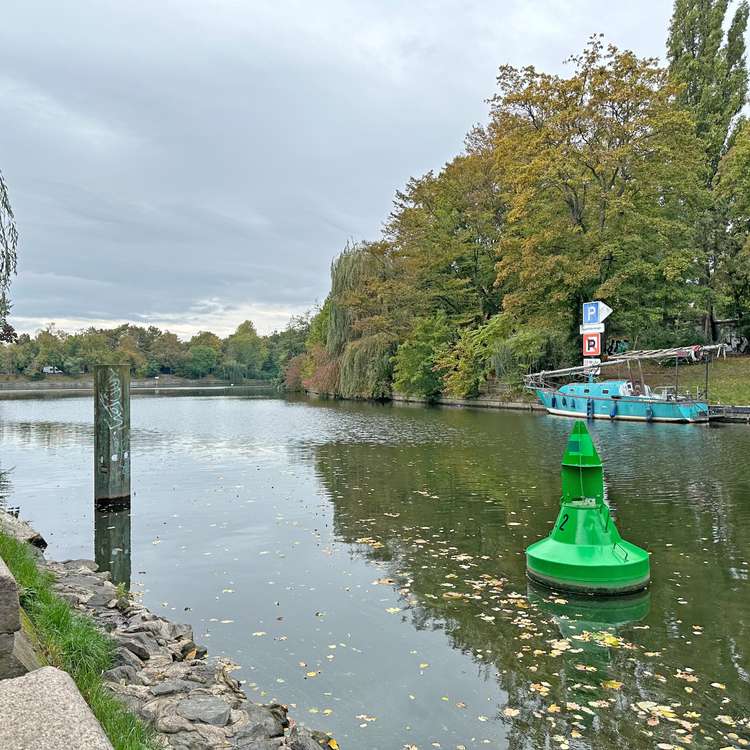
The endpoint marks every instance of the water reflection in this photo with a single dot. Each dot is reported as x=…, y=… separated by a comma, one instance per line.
x=382, y=548
x=112, y=541
x=450, y=526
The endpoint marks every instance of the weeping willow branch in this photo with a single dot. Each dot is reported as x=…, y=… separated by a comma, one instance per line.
x=8, y=243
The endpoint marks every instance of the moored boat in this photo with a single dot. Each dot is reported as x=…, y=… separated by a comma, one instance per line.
x=624, y=399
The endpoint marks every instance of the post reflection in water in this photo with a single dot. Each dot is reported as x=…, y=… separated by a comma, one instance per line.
x=112, y=541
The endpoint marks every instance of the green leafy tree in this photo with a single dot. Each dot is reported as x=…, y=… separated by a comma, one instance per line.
x=206, y=338
x=415, y=368
x=201, y=360
x=245, y=350
x=603, y=178
x=167, y=353
x=710, y=65
x=732, y=190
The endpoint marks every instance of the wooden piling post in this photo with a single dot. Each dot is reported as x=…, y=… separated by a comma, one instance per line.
x=111, y=434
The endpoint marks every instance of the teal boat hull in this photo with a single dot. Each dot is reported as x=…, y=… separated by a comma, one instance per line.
x=630, y=408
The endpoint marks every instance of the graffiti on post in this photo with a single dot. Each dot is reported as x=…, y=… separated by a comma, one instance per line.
x=112, y=431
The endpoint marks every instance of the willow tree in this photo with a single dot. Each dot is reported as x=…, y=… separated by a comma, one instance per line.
x=710, y=65
x=358, y=334
x=8, y=243
x=603, y=177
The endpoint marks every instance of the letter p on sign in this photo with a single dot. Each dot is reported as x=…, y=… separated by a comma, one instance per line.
x=592, y=344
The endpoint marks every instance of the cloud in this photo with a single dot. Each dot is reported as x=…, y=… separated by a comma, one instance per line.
x=164, y=154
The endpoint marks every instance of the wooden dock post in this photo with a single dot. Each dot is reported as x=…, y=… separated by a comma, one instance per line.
x=111, y=434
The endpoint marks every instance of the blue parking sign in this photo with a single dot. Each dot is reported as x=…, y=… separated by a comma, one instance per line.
x=590, y=312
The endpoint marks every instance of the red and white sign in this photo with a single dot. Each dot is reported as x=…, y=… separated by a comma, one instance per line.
x=592, y=344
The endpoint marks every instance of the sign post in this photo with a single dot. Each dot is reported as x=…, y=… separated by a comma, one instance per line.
x=592, y=329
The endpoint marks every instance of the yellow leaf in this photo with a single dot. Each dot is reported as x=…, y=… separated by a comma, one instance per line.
x=611, y=684
x=333, y=744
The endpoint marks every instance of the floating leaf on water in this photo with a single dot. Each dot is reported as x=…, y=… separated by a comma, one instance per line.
x=511, y=711
x=611, y=684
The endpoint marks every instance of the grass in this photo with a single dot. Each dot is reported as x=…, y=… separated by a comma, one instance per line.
x=72, y=642
x=728, y=379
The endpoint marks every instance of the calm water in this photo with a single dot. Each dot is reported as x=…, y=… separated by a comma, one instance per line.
x=364, y=563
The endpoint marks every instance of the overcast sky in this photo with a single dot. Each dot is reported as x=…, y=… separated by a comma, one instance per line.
x=190, y=164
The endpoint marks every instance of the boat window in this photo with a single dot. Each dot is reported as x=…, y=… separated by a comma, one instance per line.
x=605, y=390
x=586, y=390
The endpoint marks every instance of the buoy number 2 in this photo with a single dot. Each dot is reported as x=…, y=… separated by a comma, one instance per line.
x=563, y=522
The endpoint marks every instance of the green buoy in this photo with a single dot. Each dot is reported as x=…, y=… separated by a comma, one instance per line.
x=585, y=552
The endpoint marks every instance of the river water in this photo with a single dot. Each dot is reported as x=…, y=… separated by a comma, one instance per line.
x=364, y=564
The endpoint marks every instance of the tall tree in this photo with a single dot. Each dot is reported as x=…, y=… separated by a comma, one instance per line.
x=8, y=243
x=711, y=67
x=603, y=176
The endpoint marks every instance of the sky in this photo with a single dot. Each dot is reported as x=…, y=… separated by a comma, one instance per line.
x=192, y=164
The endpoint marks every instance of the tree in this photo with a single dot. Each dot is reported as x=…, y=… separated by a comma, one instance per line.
x=415, y=368
x=710, y=66
x=206, y=338
x=603, y=178
x=8, y=244
x=732, y=191
x=167, y=352
x=444, y=232
x=201, y=360
x=245, y=349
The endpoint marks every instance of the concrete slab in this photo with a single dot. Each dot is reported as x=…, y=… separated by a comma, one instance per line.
x=43, y=710
x=9, y=614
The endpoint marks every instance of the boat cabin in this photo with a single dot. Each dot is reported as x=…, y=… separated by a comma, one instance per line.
x=607, y=389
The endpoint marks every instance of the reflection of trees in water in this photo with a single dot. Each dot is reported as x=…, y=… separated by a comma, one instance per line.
x=47, y=434
x=440, y=494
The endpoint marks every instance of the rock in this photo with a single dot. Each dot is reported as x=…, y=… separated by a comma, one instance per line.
x=171, y=724
x=263, y=721
x=169, y=687
x=139, y=643
x=302, y=739
x=78, y=565
x=270, y=744
x=189, y=647
x=20, y=530
x=10, y=620
x=121, y=674
x=125, y=657
x=17, y=657
x=47, y=712
x=179, y=631
x=187, y=741
x=208, y=709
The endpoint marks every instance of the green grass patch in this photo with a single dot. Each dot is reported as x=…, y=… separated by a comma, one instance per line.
x=728, y=379
x=71, y=641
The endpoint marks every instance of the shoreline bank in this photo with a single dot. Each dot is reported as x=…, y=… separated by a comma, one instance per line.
x=161, y=675
x=729, y=413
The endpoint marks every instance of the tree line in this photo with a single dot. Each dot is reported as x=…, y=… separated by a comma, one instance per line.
x=624, y=181
x=150, y=351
